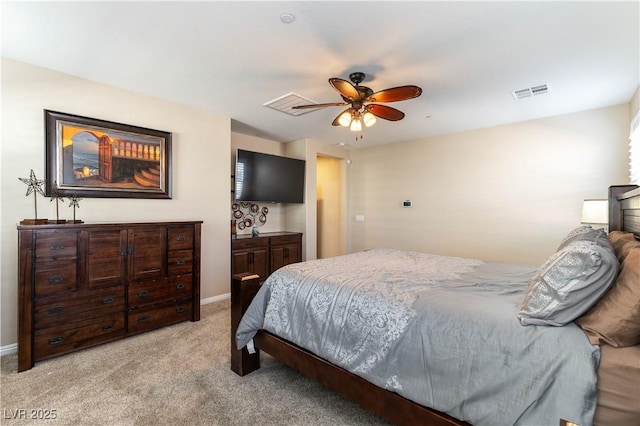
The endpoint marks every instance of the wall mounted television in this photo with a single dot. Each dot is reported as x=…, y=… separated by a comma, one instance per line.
x=268, y=178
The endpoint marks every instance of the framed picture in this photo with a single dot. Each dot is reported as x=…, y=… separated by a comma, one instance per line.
x=97, y=158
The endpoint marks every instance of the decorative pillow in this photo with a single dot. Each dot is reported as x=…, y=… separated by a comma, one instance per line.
x=615, y=319
x=618, y=240
x=570, y=281
x=578, y=234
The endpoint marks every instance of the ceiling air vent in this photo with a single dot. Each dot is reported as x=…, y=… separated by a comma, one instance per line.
x=286, y=103
x=530, y=91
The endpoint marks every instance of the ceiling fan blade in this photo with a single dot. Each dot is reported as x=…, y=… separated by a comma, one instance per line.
x=395, y=94
x=335, y=121
x=345, y=88
x=385, y=112
x=319, y=105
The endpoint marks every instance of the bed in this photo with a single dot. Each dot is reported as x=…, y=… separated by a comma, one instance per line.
x=503, y=331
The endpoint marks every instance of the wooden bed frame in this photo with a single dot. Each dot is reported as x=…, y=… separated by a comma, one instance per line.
x=624, y=215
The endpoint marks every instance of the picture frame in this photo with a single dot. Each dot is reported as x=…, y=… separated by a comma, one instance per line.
x=88, y=157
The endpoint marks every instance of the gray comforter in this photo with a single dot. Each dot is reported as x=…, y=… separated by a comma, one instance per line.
x=441, y=331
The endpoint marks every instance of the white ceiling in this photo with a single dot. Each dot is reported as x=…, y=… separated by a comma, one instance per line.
x=232, y=57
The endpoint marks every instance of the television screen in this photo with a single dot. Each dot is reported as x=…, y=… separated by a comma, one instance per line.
x=268, y=178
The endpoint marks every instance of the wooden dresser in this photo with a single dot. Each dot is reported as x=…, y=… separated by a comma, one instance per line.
x=264, y=254
x=85, y=284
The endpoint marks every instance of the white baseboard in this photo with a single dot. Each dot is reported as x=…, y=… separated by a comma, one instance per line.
x=9, y=349
x=215, y=299
x=13, y=347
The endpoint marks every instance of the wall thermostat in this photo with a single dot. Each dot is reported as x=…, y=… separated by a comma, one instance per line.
x=406, y=203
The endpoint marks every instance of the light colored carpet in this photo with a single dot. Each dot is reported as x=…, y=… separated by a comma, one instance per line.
x=178, y=375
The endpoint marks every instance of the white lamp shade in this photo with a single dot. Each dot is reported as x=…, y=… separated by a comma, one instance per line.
x=369, y=119
x=356, y=125
x=595, y=211
x=345, y=119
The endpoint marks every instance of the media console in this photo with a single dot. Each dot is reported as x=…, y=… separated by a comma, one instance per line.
x=265, y=253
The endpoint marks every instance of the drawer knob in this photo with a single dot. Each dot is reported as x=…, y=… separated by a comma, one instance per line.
x=180, y=309
x=108, y=300
x=57, y=246
x=143, y=318
x=55, y=279
x=180, y=262
x=56, y=340
x=180, y=286
x=107, y=327
x=56, y=309
x=181, y=238
x=143, y=293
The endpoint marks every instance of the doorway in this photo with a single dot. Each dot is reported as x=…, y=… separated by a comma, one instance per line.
x=330, y=207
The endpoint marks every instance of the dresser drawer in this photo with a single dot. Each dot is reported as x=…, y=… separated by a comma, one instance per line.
x=69, y=337
x=180, y=262
x=286, y=239
x=249, y=243
x=160, y=316
x=149, y=292
x=55, y=278
x=181, y=238
x=56, y=245
x=59, y=310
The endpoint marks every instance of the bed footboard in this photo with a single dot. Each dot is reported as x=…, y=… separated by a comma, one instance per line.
x=243, y=289
x=384, y=403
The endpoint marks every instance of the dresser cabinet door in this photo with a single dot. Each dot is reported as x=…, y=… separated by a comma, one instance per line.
x=285, y=250
x=146, y=252
x=106, y=257
x=250, y=260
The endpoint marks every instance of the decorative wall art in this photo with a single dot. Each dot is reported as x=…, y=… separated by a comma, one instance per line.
x=97, y=158
x=248, y=215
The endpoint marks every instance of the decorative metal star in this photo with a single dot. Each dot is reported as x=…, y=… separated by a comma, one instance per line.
x=34, y=187
x=34, y=184
x=74, y=202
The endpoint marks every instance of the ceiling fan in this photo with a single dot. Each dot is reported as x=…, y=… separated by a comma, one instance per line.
x=364, y=103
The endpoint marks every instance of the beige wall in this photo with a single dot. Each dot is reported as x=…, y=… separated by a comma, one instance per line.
x=506, y=193
x=201, y=145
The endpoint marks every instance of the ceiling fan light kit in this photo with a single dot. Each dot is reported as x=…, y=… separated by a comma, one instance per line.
x=363, y=102
x=369, y=119
x=345, y=119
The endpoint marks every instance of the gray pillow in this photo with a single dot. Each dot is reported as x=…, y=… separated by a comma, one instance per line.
x=581, y=233
x=570, y=281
